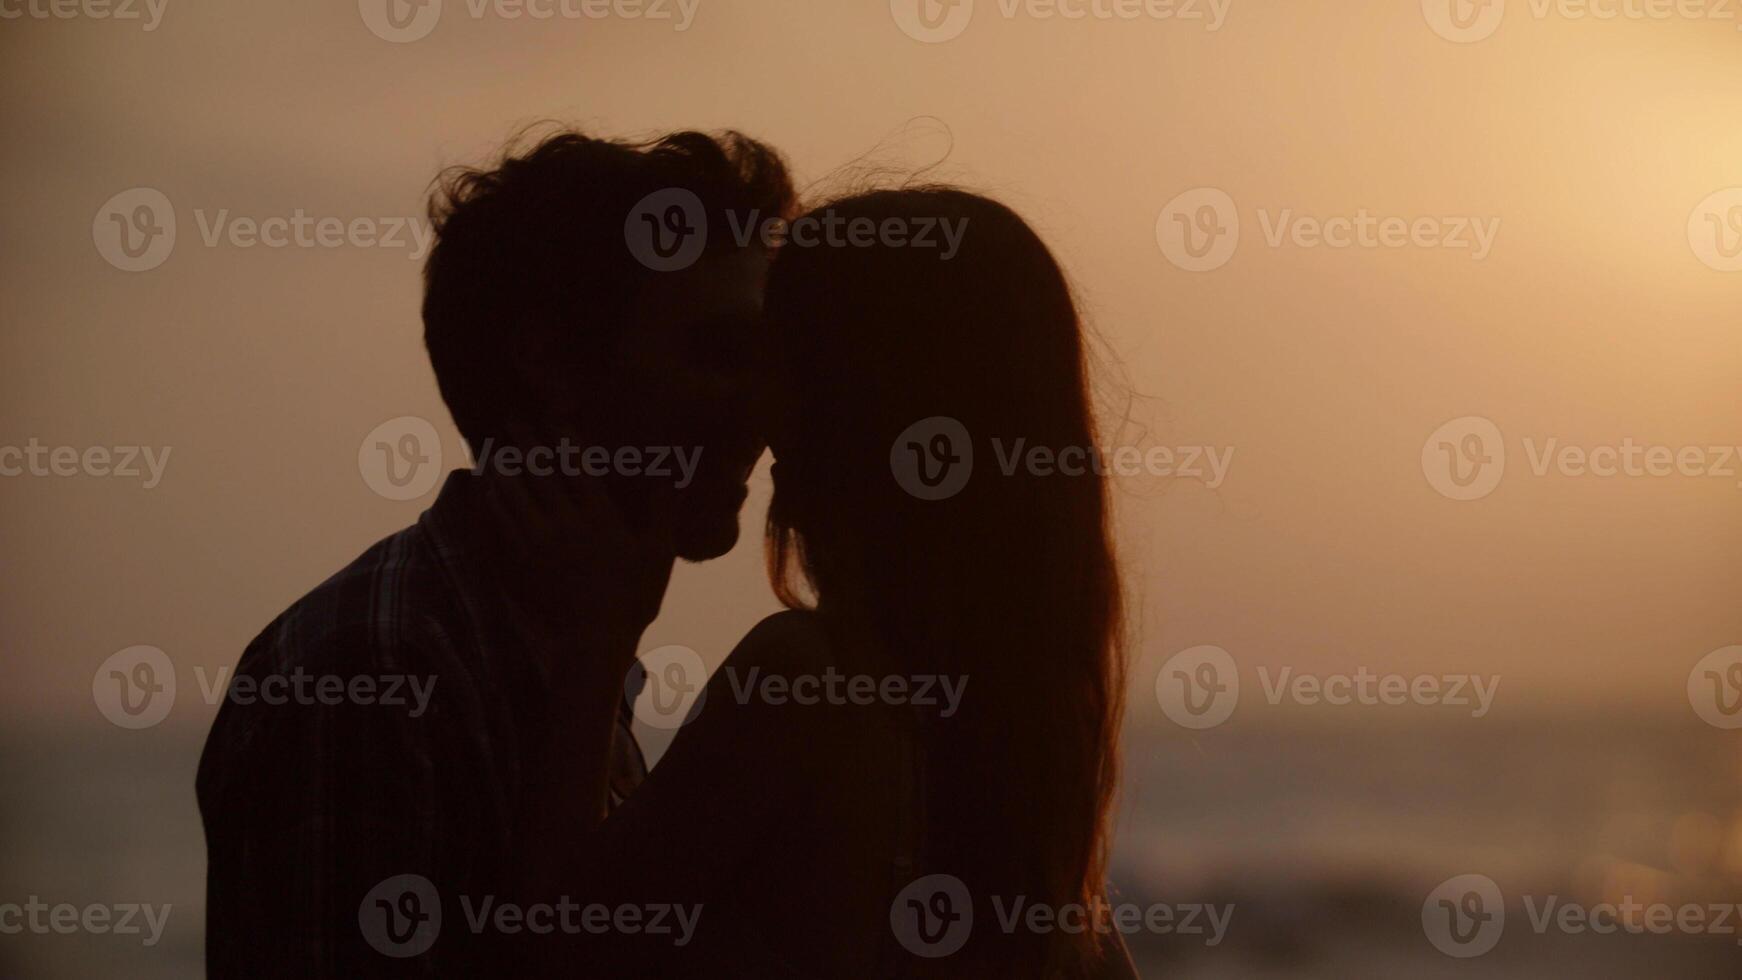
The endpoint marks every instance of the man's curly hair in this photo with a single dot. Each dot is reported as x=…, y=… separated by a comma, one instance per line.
x=537, y=243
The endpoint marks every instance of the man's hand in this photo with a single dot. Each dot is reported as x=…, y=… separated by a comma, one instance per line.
x=569, y=564
x=580, y=585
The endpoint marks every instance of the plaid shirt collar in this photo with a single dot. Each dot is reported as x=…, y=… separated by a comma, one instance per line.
x=452, y=525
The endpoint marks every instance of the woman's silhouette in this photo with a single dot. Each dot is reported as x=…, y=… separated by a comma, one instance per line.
x=913, y=539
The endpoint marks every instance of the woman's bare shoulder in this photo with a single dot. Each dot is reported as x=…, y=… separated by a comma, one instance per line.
x=804, y=667
x=792, y=639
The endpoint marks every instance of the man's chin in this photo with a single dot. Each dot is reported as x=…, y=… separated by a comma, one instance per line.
x=708, y=528
x=708, y=541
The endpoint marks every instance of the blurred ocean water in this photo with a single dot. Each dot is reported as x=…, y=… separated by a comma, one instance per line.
x=1325, y=838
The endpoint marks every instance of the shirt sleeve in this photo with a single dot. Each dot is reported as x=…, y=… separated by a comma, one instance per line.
x=340, y=829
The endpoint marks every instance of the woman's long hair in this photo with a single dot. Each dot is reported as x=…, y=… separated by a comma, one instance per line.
x=1010, y=581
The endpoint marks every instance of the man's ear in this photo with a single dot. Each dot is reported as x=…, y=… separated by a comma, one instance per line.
x=552, y=383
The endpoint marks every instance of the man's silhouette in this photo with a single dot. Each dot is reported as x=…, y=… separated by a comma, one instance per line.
x=349, y=836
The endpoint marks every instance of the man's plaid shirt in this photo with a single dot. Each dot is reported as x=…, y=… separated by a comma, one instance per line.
x=309, y=806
